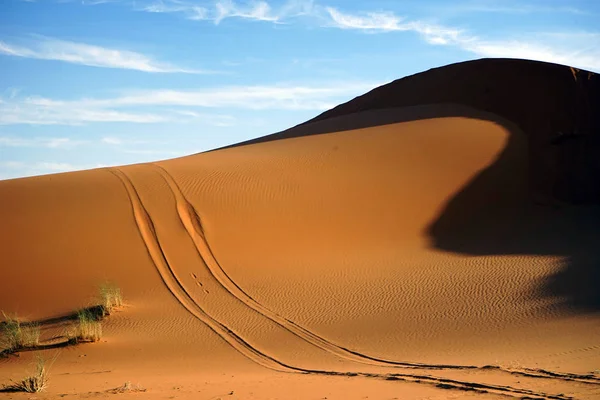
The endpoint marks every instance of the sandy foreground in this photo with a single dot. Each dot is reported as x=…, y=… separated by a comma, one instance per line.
x=402, y=260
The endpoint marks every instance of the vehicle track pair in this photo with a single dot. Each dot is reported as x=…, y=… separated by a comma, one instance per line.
x=192, y=224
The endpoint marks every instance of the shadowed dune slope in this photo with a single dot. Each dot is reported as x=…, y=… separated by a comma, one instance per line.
x=391, y=240
x=555, y=105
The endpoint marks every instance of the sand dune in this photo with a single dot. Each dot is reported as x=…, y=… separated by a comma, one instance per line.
x=401, y=245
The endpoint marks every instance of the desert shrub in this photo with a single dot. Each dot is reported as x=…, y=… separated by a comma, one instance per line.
x=110, y=297
x=30, y=335
x=37, y=382
x=127, y=387
x=88, y=329
x=16, y=335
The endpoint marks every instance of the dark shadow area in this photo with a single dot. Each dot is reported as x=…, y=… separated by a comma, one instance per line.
x=555, y=105
x=497, y=213
x=95, y=313
x=501, y=211
x=542, y=194
x=11, y=389
x=63, y=342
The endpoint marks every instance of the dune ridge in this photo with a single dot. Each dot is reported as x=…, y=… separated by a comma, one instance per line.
x=552, y=104
x=400, y=243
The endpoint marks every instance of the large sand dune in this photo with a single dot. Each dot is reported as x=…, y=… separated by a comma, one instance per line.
x=387, y=249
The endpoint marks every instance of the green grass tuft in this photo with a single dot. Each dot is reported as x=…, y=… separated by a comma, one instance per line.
x=110, y=297
x=16, y=335
x=89, y=328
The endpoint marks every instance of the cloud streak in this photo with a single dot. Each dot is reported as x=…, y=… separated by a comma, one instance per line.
x=176, y=106
x=39, y=111
x=389, y=22
x=225, y=9
x=50, y=143
x=90, y=55
x=19, y=169
x=276, y=97
x=504, y=8
x=577, y=52
x=259, y=11
x=572, y=49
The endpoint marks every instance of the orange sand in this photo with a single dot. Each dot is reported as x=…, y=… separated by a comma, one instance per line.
x=405, y=260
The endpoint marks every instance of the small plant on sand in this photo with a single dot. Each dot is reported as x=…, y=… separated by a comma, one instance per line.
x=110, y=297
x=88, y=329
x=16, y=335
x=127, y=387
x=38, y=382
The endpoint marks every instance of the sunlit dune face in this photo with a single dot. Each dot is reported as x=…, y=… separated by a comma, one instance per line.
x=318, y=253
x=339, y=190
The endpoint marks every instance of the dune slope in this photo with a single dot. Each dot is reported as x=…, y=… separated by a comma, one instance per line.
x=555, y=105
x=386, y=250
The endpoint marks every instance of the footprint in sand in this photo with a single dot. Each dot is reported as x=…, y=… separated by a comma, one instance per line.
x=198, y=283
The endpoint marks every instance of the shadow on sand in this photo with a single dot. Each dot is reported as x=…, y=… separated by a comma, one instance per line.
x=509, y=208
x=498, y=213
x=96, y=313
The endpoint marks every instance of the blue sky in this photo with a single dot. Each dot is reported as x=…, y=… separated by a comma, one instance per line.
x=93, y=83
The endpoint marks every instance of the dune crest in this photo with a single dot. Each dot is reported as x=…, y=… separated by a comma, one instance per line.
x=405, y=238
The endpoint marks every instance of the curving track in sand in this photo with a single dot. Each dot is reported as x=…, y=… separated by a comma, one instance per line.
x=148, y=233
x=403, y=225
x=192, y=223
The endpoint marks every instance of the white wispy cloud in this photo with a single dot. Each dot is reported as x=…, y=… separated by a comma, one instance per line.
x=214, y=119
x=259, y=11
x=277, y=97
x=90, y=55
x=19, y=169
x=112, y=141
x=51, y=143
x=121, y=141
x=515, y=8
x=176, y=106
x=40, y=111
x=373, y=21
x=95, y=2
x=220, y=10
x=192, y=11
x=389, y=22
x=575, y=49
x=582, y=53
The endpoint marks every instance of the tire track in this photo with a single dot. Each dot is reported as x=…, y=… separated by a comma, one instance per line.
x=148, y=233
x=191, y=221
x=157, y=254
x=545, y=374
x=193, y=225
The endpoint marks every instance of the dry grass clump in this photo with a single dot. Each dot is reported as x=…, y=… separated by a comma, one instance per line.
x=110, y=297
x=38, y=382
x=127, y=387
x=88, y=329
x=16, y=335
